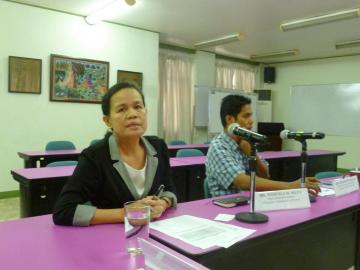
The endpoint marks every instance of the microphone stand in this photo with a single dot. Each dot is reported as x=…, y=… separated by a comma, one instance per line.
x=252, y=216
x=304, y=159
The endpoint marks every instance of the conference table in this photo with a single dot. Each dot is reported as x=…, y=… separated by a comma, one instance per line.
x=324, y=236
x=174, y=148
x=40, y=187
x=283, y=165
x=34, y=158
x=36, y=243
x=286, y=165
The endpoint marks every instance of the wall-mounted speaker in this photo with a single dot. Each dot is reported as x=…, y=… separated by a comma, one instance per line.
x=269, y=74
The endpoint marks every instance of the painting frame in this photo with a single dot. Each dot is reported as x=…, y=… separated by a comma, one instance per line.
x=78, y=80
x=24, y=75
x=133, y=77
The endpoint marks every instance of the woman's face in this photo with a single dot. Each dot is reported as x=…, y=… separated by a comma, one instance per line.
x=127, y=116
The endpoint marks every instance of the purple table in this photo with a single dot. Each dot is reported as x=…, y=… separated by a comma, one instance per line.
x=325, y=236
x=188, y=176
x=289, y=154
x=191, y=160
x=44, y=157
x=40, y=187
x=174, y=148
x=286, y=165
x=35, y=243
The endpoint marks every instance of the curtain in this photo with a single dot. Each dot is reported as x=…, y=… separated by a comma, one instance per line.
x=235, y=76
x=175, y=110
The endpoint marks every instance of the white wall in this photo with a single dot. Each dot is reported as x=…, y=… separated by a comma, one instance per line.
x=324, y=71
x=29, y=121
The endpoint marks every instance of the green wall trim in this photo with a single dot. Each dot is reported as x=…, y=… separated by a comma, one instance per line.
x=176, y=48
x=239, y=60
x=312, y=59
x=217, y=56
x=9, y=194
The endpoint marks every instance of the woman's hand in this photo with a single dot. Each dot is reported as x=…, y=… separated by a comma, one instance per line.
x=157, y=205
x=311, y=183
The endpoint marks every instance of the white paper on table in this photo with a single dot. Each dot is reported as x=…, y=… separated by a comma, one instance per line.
x=345, y=185
x=326, y=191
x=282, y=199
x=224, y=217
x=200, y=232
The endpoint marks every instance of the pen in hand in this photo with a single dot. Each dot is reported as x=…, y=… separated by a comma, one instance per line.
x=158, y=192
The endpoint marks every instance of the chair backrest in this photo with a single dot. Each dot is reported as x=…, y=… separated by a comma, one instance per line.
x=177, y=142
x=189, y=152
x=320, y=175
x=62, y=163
x=206, y=189
x=60, y=145
x=94, y=141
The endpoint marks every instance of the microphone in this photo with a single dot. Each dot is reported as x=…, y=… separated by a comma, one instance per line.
x=299, y=135
x=235, y=129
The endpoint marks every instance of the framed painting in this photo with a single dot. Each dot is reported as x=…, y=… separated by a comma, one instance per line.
x=133, y=77
x=78, y=80
x=24, y=75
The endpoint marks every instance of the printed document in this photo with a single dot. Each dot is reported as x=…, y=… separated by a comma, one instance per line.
x=201, y=232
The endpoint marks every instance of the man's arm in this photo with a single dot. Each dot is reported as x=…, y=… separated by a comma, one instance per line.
x=242, y=181
x=261, y=168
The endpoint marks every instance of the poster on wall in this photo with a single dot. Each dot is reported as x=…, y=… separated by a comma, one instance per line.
x=24, y=75
x=78, y=80
x=133, y=77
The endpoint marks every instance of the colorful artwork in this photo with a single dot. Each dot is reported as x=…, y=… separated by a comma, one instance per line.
x=78, y=80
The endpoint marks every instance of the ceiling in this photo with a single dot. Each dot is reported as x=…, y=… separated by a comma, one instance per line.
x=186, y=22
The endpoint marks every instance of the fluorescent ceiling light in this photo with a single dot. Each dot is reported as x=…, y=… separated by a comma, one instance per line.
x=275, y=54
x=115, y=6
x=323, y=18
x=347, y=44
x=220, y=40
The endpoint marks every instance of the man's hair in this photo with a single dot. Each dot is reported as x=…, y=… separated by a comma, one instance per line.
x=105, y=104
x=232, y=105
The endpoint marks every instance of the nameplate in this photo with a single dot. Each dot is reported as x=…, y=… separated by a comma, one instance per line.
x=157, y=258
x=345, y=185
x=282, y=199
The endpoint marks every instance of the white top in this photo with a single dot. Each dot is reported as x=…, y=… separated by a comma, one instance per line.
x=137, y=177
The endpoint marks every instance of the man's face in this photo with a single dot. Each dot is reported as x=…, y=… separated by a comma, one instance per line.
x=244, y=117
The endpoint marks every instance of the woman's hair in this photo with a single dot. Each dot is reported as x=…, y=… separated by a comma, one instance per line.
x=105, y=104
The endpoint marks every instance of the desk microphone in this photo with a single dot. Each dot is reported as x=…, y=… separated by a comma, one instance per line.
x=299, y=135
x=235, y=129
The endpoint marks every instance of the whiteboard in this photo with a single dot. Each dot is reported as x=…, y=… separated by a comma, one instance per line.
x=207, y=106
x=201, y=115
x=330, y=108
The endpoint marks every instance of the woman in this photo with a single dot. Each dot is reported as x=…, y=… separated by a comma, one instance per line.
x=124, y=166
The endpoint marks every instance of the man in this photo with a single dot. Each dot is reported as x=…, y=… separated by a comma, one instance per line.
x=227, y=165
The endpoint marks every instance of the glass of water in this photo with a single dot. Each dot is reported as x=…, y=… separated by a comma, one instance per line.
x=137, y=219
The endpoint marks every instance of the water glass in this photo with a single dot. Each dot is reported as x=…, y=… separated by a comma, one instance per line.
x=137, y=219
